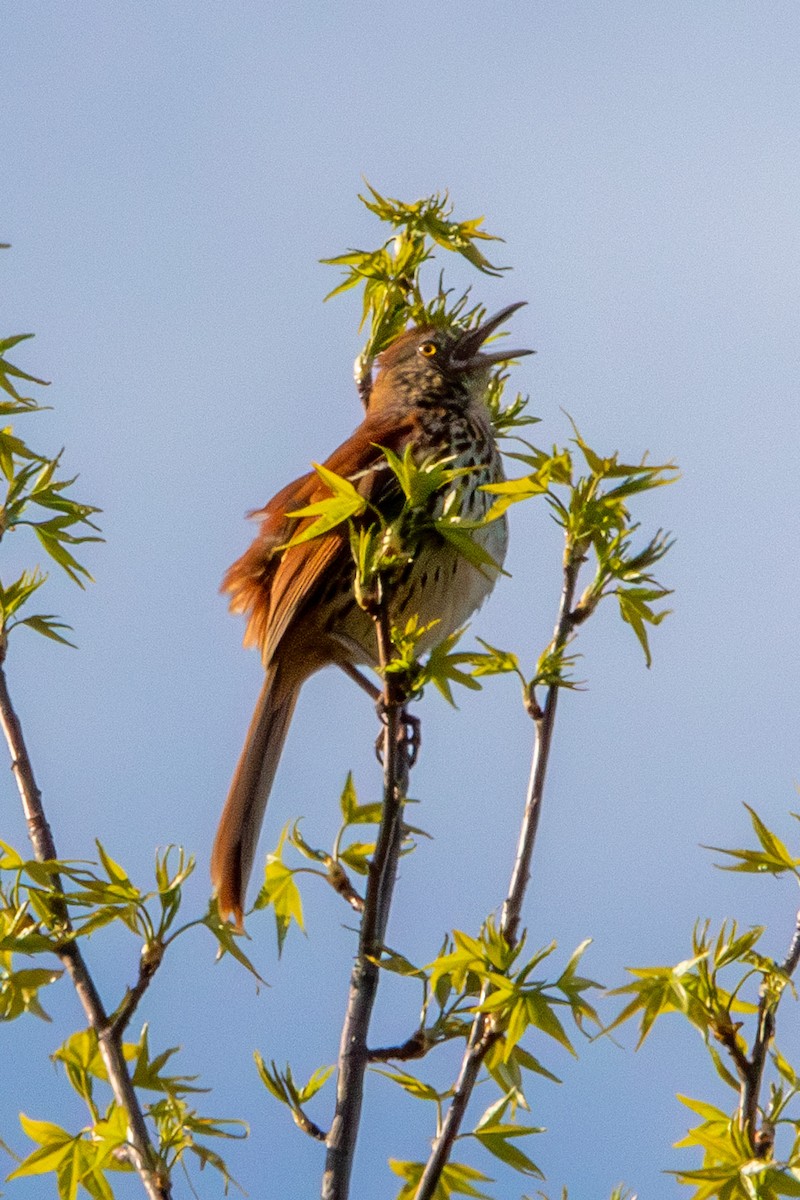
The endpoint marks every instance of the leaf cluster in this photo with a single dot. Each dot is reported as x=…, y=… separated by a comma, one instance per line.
x=349, y=855
x=695, y=988
x=484, y=975
x=730, y=991
x=82, y=1159
x=96, y=894
x=45, y=906
x=37, y=897
x=36, y=496
x=282, y=1086
x=592, y=509
x=730, y=1170
x=389, y=274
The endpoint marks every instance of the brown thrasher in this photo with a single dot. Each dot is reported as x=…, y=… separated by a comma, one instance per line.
x=301, y=612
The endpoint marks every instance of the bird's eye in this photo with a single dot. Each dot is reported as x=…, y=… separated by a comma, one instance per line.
x=428, y=349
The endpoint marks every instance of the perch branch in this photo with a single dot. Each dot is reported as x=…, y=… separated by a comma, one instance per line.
x=353, y=1052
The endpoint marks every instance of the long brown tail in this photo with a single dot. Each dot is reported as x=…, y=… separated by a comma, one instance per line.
x=240, y=823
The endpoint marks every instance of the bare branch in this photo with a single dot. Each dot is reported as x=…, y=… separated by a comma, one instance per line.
x=512, y=908
x=150, y=961
x=353, y=1052
x=142, y=1153
x=417, y=1046
x=483, y=1035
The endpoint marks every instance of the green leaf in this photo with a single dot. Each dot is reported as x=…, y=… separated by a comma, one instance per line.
x=344, y=502
x=398, y=964
x=18, y=592
x=19, y=991
x=525, y=1059
x=456, y=1179
x=357, y=856
x=226, y=937
x=317, y=1081
x=47, y=625
x=773, y=858
x=280, y=892
x=540, y=1012
x=272, y=1079
x=348, y=801
x=637, y=613
x=44, y=1132
x=785, y=1069
x=782, y=1182
x=115, y=872
x=58, y=552
x=469, y=548
x=41, y=1162
x=415, y=1087
x=495, y=1139
x=708, y=1111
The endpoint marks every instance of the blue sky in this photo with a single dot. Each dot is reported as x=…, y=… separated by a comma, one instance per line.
x=171, y=176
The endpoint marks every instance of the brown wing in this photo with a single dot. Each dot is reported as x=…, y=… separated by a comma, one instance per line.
x=271, y=585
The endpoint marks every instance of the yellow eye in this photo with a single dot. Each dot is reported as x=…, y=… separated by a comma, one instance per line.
x=428, y=349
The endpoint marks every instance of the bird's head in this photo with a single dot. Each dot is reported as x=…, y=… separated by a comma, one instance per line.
x=441, y=363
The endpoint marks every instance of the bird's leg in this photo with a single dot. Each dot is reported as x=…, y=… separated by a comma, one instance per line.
x=410, y=726
x=358, y=677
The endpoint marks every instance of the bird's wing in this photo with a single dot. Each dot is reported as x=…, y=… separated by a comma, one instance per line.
x=274, y=584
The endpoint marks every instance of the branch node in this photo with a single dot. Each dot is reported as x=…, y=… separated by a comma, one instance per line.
x=340, y=882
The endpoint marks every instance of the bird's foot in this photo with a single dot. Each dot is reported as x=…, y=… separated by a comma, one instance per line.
x=409, y=734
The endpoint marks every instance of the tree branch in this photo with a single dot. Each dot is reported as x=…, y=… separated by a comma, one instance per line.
x=483, y=1035
x=353, y=1052
x=141, y=1152
x=752, y=1070
x=150, y=961
x=417, y=1046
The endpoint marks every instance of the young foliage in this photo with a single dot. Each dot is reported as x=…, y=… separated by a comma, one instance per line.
x=82, y=1159
x=281, y=1085
x=389, y=275
x=36, y=497
x=457, y=1179
x=34, y=897
x=752, y=1153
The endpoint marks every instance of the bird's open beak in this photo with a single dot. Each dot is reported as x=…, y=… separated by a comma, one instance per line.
x=466, y=352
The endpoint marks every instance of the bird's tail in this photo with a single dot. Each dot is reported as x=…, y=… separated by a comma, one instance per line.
x=240, y=823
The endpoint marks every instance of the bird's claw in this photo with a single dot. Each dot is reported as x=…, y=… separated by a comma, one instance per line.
x=409, y=734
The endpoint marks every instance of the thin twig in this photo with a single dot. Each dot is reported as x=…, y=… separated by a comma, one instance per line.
x=512, y=909
x=307, y=1125
x=341, y=883
x=483, y=1034
x=417, y=1046
x=141, y=1151
x=353, y=1052
x=752, y=1070
x=149, y=963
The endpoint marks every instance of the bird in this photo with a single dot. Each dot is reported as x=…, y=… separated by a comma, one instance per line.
x=430, y=395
